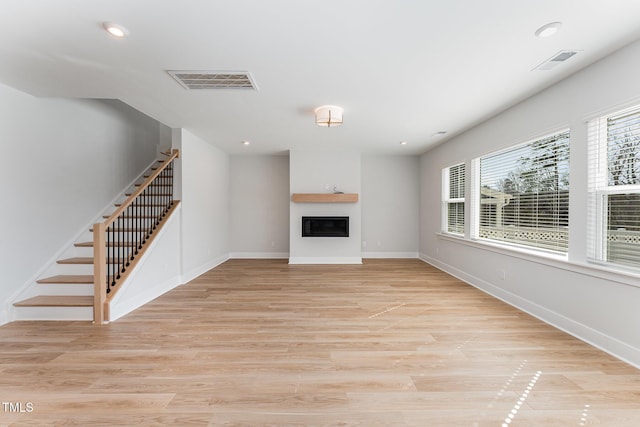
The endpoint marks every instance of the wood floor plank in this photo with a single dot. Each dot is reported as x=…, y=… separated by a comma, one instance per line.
x=263, y=343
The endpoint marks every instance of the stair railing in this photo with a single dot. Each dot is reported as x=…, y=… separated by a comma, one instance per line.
x=120, y=241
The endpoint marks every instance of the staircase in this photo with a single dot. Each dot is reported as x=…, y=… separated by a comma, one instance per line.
x=77, y=289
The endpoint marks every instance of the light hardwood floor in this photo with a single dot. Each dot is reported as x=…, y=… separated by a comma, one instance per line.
x=262, y=343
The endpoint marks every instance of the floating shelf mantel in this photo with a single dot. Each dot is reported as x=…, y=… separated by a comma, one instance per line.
x=324, y=197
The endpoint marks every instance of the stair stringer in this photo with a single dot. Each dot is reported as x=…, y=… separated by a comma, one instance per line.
x=32, y=288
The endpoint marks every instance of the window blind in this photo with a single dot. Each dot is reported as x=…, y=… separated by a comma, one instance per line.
x=614, y=188
x=523, y=194
x=454, y=181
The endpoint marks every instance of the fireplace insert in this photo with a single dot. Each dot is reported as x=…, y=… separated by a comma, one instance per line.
x=325, y=226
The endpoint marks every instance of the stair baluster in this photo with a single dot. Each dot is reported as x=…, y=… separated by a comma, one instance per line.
x=120, y=240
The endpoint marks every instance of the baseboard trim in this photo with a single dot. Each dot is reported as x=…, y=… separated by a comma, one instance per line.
x=195, y=272
x=4, y=317
x=606, y=343
x=389, y=254
x=259, y=255
x=325, y=260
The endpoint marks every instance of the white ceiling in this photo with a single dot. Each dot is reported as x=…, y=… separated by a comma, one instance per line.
x=401, y=69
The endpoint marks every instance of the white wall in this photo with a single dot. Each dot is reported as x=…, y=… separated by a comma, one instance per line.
x=259, y=206
x=390, y=195
x=204, y=175
x=313, y=172
x=259, y=202
x=599, y=307
x=64, y=160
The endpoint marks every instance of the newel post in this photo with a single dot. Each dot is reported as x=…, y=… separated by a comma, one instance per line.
x=99, y=274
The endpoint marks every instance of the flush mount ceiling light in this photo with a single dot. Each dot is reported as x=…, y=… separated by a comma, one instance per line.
x=117, y=31
x=245, y=143
x=548, y=30
x=403, y=142
x=329, y=115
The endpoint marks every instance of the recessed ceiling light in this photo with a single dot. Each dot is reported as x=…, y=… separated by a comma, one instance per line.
x=246, y=143
x=117, y=31
x=548, y=30
x=403, y=142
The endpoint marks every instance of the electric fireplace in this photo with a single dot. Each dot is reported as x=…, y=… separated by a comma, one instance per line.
x=325, y=226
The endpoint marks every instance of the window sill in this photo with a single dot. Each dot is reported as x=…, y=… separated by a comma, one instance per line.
x=626, y=277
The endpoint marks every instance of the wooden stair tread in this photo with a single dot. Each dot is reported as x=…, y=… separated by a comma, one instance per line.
x=128, y=229
x=76, y=260
x=152, y=205
x=90, y=244
x=134, y=216
x=152, y=195
x=82, y=260
x=123, y=230
x=80, y=278
x=57, y=301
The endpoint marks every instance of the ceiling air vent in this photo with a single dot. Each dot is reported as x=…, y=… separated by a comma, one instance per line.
x=556, y=60
x=194, y=80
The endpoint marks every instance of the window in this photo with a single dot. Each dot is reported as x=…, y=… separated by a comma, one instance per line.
x=614, y=188
x=453, y=199
x=522, y=194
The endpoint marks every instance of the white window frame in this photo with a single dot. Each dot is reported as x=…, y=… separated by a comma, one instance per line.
x=475, y=198
x=447, y=200
x=599, y=190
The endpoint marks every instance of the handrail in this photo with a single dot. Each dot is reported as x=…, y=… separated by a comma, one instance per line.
x=120, y=240
x=174, y=154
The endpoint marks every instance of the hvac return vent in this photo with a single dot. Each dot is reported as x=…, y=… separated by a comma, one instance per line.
x=214, y=79
x=556, y=60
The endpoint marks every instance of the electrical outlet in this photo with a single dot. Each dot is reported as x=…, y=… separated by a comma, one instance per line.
x=502, y=274
x=364, y=243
